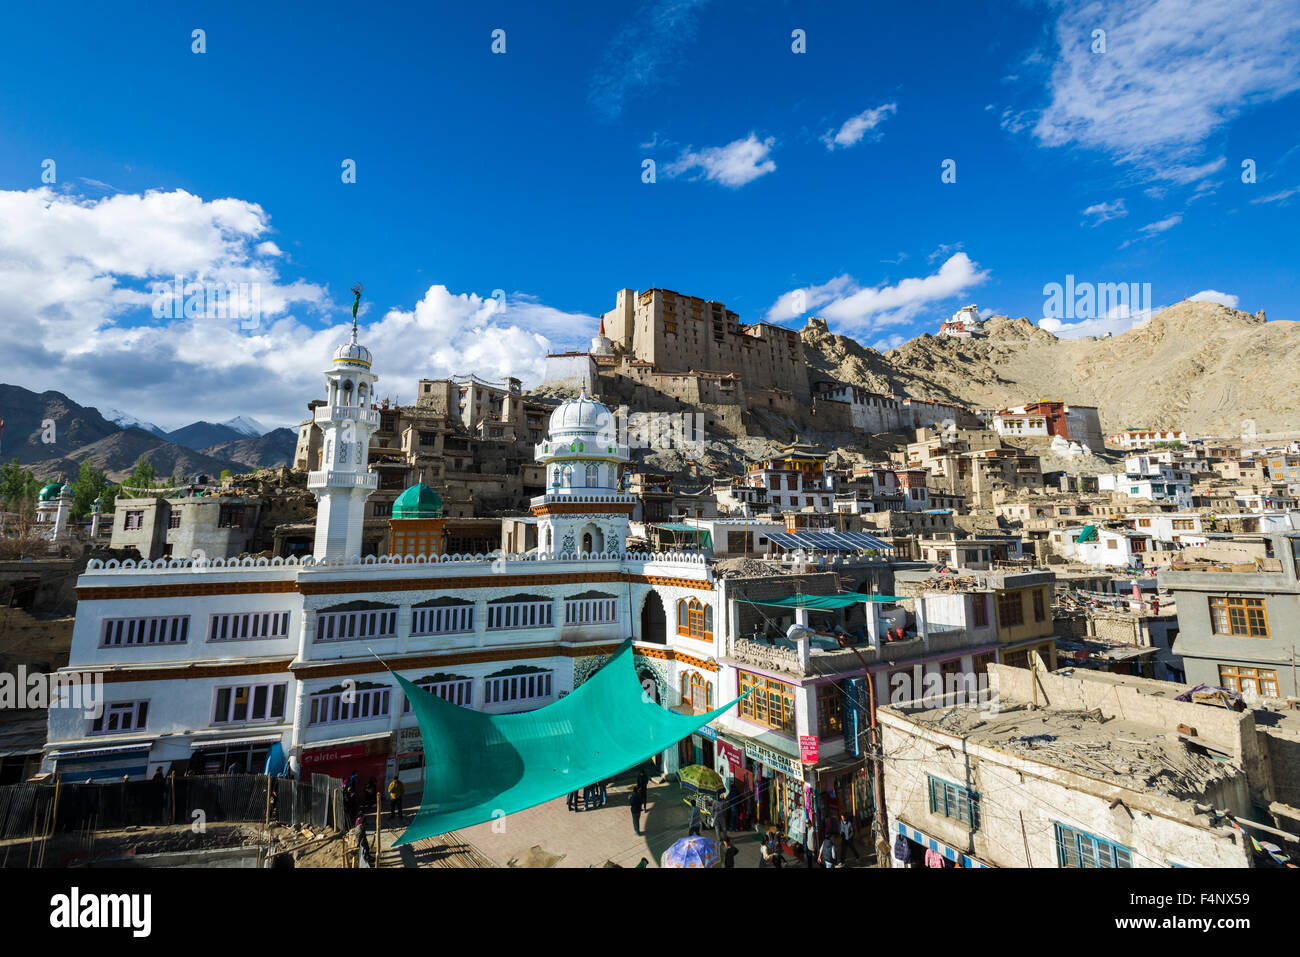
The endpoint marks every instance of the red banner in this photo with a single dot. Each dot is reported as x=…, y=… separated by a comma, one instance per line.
x=807, y=749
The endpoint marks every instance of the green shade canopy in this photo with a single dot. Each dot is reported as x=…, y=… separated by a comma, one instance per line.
x=418, y=501
x=1089, y=534
x=479, y=766
x=825, y=602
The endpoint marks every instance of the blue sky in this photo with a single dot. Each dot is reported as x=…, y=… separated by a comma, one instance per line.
x=775, y=172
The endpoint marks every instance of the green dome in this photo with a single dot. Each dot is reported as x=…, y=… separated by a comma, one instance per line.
x=51, y=491
x=418, y=501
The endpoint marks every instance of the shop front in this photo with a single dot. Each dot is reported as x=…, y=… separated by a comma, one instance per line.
x=699, y=748
x=231, y=755
x=104, y=764
x=767, y=789
x=409, y=751
x=914, y=848
x=367, y=757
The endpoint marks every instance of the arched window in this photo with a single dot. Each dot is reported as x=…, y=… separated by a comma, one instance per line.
x=567, y=481
x=694, y=619
x=593, y=476
x=696, y=691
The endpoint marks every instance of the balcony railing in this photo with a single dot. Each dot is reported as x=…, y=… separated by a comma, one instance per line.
x=354, y=479
x=328, y=413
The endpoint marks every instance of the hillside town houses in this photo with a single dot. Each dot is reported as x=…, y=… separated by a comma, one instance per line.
x=893, y=608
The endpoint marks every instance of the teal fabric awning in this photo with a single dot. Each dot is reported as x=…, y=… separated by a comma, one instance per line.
x=825, y=602
x=479, y=766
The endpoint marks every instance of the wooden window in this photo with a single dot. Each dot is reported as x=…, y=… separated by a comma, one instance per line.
x=695, y=619
x=1040, y=611
x=1241, y=617
x=1075, y=848
x=1011, y=610
x=979, y=610
x=1259, y=681
x=771, y=704
x=830, y=710
x=954, y=801
x=133, y=521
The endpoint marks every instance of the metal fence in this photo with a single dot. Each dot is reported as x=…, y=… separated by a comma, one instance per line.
x=37, y=809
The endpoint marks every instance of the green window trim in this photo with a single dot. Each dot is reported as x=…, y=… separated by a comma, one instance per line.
x=1076, y=848
x=954, y=801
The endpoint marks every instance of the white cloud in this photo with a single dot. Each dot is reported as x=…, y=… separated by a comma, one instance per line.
x=1173, y=74
x=644, y=53
x=1155, y=229
x=855, y=128
x=1213, y=295
x=733, y=165
x=77, y=314
x=1104, y=212
x=1278, y=197
x=847, y=306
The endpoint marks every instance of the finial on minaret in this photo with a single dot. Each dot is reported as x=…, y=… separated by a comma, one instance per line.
x=356, y=291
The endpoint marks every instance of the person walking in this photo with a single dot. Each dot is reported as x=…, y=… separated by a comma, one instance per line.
x=642, y=783
x=695, y=820
x=638, y=805
x=572, y=800
x=604, y=793
x=729, y=853
x=826, y=854
x=396, y=790
x=589, y=797
x=847, y=832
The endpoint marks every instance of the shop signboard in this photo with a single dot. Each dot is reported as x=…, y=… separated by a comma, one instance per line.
x=708, y=732
x=328, y=755
x=773, y=759
x=735, y=759
x=808, y=749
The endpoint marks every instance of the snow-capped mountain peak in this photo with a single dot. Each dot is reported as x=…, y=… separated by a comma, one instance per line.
x=127, y=421
x=246, y=426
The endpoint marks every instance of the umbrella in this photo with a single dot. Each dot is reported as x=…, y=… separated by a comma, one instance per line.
x=691, y=852
x=699, y=778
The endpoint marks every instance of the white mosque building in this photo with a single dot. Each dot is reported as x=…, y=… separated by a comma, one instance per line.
x=239, y=663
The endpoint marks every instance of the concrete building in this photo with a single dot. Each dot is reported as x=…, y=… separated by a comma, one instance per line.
x=187, y=525
x=1073, y=769
x=1239, y=624
x=1144, y=438
x=1050, y=418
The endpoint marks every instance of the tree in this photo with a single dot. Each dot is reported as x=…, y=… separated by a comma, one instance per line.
x=18, y=487
x=91, y=483
x=226, y=476
x=142, y=476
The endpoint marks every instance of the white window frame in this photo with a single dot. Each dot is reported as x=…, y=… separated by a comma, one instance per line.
x=252, y=689
x=442, y=620
x=116, y=711
x=367, y=704
x=357, y=624
x=139, y=632
x=510, y=615
x=515, y=689
x=590, y=611
x=458, y=691
x=248, y=626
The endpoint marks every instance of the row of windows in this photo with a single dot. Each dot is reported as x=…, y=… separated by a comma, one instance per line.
x=368, y=623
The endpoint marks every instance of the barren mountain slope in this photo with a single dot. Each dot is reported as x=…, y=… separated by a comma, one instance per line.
x=1196, y=365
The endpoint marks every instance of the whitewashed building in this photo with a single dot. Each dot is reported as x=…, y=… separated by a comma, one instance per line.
x=230, y=663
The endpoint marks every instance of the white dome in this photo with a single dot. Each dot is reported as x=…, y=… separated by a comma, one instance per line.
x=352, y=353
x=582, y=414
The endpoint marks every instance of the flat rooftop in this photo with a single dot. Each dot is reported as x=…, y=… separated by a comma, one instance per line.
x=1115, y=751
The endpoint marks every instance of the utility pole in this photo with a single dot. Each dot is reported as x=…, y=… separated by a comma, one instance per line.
x=881, y=823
